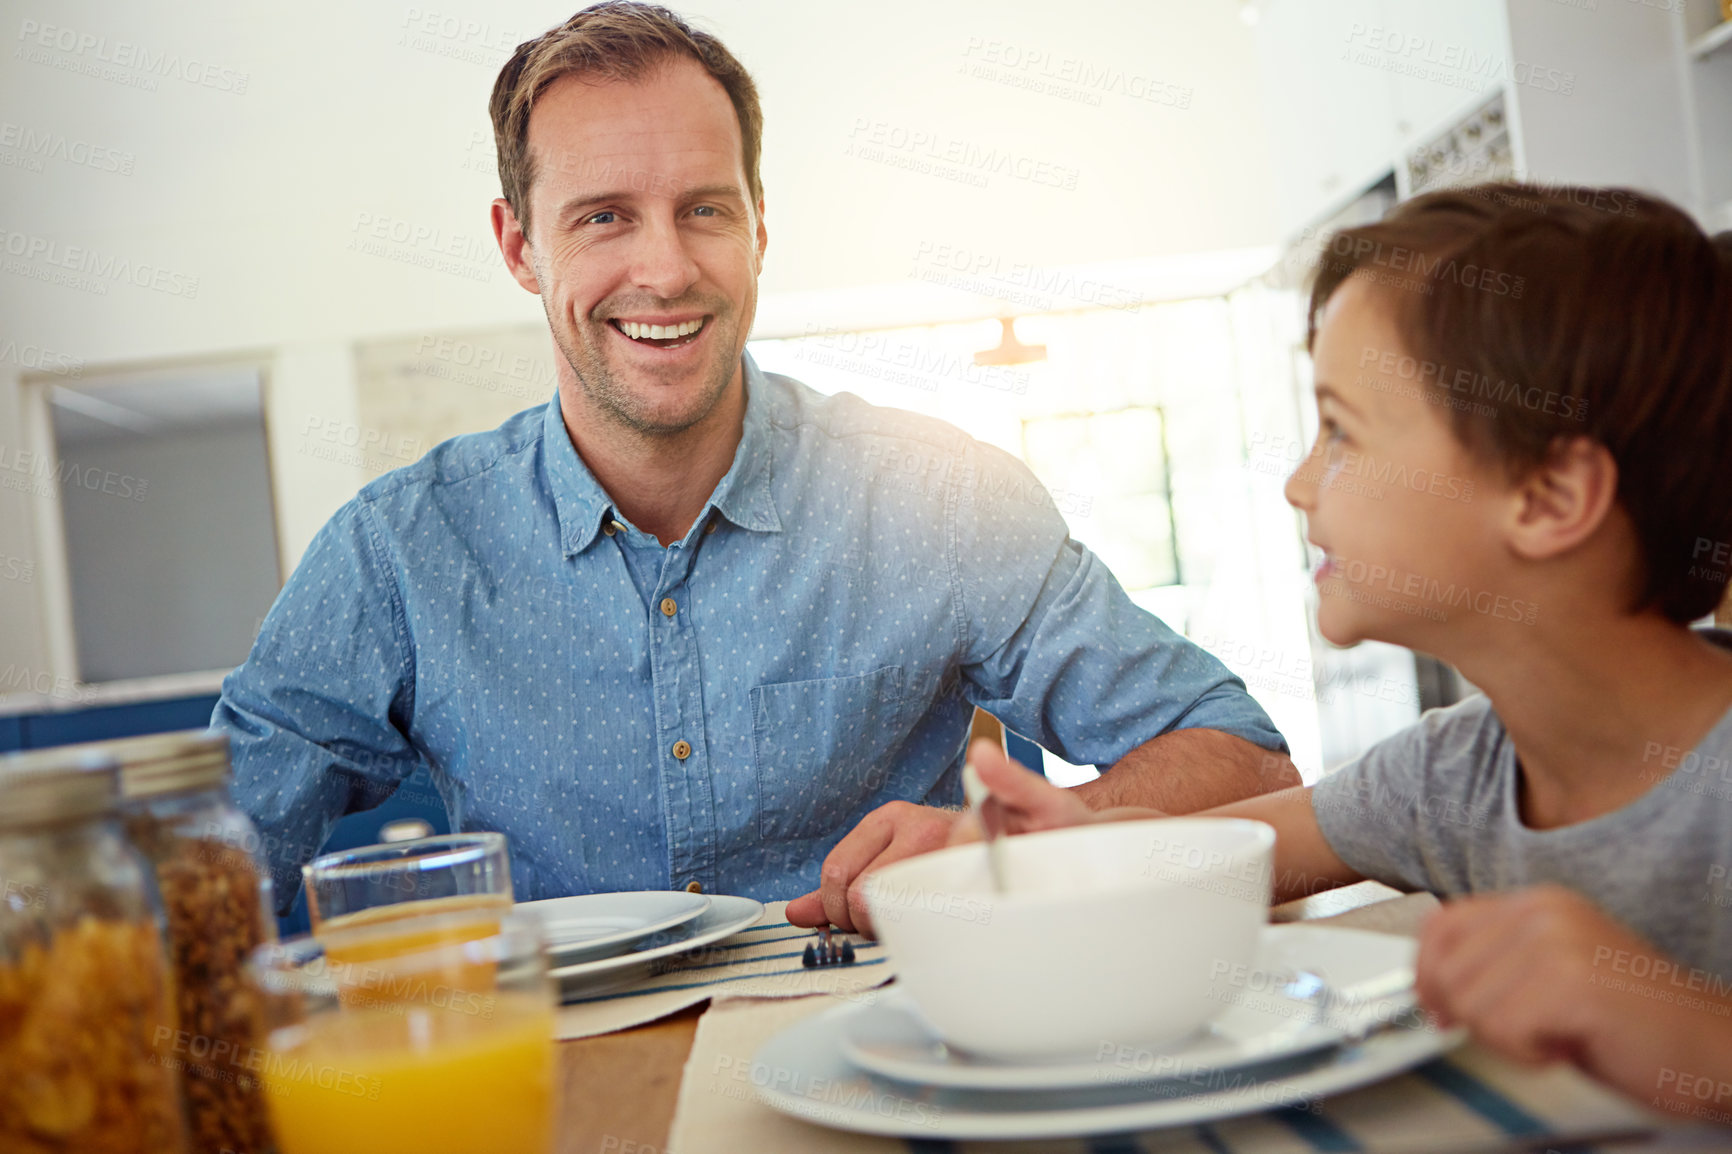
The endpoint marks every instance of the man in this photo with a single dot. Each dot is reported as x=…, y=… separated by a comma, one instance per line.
x=689, y=623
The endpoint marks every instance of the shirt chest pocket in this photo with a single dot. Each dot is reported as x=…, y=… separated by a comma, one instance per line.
x=822, y=749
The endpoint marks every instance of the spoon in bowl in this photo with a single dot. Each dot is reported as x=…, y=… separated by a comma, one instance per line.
x=976, y=792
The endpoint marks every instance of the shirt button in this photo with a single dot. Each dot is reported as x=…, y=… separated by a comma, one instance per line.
x=682, y=750
x=710, y=528
x=607, y=527
x=694, y=887
x=669, y=607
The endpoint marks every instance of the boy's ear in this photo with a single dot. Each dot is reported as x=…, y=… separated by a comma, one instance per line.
x=1564, y=500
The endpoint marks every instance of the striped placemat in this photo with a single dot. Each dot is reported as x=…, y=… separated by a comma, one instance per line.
x=762, y=961
x=1468, y=1101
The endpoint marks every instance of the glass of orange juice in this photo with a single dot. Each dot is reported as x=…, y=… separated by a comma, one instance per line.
x=460, y=872
x=442, y=1049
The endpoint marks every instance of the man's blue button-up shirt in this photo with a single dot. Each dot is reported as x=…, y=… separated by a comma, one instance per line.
x=722, y=710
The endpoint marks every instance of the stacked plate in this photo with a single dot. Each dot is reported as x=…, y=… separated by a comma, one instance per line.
x=1323, y=1010
x=599, y=942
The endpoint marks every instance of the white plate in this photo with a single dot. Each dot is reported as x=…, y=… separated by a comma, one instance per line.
x=1260, y=1024
x=726, y=915
x=802, y=1072
x=597, y=925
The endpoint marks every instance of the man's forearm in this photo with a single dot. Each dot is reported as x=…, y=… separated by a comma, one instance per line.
x=1189, y=770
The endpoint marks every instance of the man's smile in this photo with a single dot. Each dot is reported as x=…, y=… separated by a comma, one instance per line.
x=661, y=333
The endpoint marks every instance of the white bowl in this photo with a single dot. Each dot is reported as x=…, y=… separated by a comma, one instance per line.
x=1113, y=934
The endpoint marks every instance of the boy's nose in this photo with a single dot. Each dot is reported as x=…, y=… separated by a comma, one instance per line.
x=1301, y=487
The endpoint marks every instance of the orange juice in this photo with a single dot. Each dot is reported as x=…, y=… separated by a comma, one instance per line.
x=450, y=930
x=362, y=960
x=416, y=1080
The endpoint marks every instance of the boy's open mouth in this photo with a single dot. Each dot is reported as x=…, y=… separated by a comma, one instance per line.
x=661, y=336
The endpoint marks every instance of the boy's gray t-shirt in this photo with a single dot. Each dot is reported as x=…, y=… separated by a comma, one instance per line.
x=1435, y=808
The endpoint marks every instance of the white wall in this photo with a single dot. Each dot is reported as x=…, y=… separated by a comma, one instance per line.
x=236, y=202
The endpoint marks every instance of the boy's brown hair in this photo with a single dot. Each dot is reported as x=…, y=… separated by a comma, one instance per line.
x=1537, y=314
x=613, y=40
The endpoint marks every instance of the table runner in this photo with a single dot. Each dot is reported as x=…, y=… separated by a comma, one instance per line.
x=761, y=961
x=1468, y=1101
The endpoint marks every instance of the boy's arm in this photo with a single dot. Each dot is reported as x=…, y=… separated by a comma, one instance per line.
x=1023, y=801
x=1305, y=863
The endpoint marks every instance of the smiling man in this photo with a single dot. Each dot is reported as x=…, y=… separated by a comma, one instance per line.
x=691, y=624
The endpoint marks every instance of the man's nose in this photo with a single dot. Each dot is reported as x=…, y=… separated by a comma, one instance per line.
x=660, y=262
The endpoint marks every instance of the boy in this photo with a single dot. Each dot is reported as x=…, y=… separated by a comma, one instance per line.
x=1553, y=385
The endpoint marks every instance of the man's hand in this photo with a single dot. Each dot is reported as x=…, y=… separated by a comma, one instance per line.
x=1541, y=975
x=887, y=834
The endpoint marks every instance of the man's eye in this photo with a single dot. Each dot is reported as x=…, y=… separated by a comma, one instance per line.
x=601, y=218
x=705, y=209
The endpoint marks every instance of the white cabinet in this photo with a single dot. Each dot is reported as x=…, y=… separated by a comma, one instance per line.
x=1608, y=93
x=1318, y=93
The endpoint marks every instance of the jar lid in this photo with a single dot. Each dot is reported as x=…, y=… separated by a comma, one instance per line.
x=163, y=763
x=66, y=783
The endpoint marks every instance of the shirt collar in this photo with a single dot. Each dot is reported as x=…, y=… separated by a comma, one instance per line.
x=743, y=495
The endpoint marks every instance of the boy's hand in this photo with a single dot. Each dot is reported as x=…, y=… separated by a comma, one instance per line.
x=1541, y=974
x=1022, y=800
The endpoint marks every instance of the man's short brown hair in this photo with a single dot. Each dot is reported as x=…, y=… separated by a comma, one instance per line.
x=1537, y=314
x=613, y=40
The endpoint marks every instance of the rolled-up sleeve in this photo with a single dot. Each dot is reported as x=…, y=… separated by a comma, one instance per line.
x=316, y=716
x=1055, y=648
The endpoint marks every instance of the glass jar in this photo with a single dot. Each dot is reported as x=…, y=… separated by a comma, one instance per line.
x=85, y=1003
x=217, y=899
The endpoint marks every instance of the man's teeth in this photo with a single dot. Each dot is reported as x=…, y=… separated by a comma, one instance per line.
x=638, y=332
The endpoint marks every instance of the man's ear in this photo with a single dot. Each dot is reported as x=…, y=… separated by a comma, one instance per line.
x=514, y=246
x=1564, y=500
x=763, y=236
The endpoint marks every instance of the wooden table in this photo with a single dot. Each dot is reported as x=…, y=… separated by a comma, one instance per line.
x=617, y=1091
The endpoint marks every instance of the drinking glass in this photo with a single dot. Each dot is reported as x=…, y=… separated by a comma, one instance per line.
x=381, y=883
x=445, y=1049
